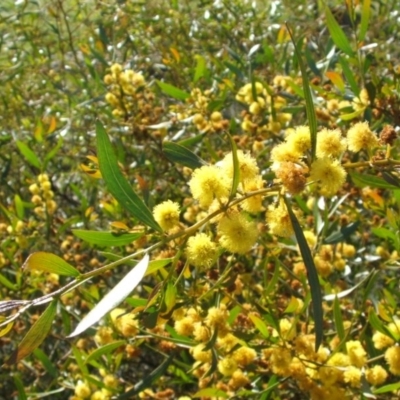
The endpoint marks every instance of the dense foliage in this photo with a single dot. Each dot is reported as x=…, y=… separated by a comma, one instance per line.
x=199, y=200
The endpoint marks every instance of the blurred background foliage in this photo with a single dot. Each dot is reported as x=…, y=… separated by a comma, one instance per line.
x=54, y=56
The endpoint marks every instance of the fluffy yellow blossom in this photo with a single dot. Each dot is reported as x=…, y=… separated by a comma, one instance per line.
x=124, y=322
x=287, y=330
x=200, y=354
x=227, y=366
x=217, y=318
x=280, y=360
x=329, y=375
x=201, y=251
x=238, y=380
x=248, y=168
x=352, y=375
x=362, y=101
x=305, y=344
x=244, y=355
x=284, y=152
x=356, y=353
x=228, y=342
x=237, y=233
x=360, y=136
x=339, y=360
x=184, y=326
x=376, y=375
x=329, y=174
x=253, y=204
x=382, y=341
x=278, y=220
x=82, y=390
x=167, y=214
x=104, y=335
x=207, y=183
x=300, y=139
x=330, y=143
x=392, y=356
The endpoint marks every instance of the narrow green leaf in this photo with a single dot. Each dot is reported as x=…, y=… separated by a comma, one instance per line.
x=104, y=350
x=156, y=265
x=274, y=280
x=169, y=298
x=106, y=239
x=344, y=233
x=54, y=151
x=19, y=207
x=28, y=154
x=51, y=369
x=351, y=116
x=337, y=34
x=310, y=110
x=236, y=169
x=385, y=234
x=20, y=387
x=391, y=179
x=372, y=181
x=337, y=313
x=200, y=69
x=35, y=335
x=365, y=16
x=392, y=387
x=173, y=91
x=79, y=358
x=191, y=141
x=49, y=262
x=312, y=276
x=116, y=182
x=177, y=153
x=148, y=381
x=114, y=297
x=351, y=80
x=7, y=283
x=211, y=392
x=260, y=325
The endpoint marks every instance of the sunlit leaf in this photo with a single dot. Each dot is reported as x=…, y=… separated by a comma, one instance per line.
x=211, y=392
x=48, y=262
x=173, y=91
x=35, y=335
x=200, y=69
x=336, y=79
x=104, y=350
x=19, y=207
x=114, y=297
x=392, y=387
x=7, y=328
x=260, y=325
x=365, y=16
x=117, y=183
x=179, y=154
x=106, y=239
